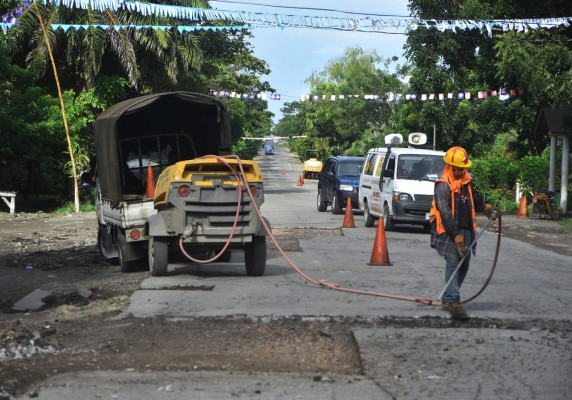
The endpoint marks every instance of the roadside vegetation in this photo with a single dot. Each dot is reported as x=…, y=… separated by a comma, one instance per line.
x=99, y=68
x=533, y=68
x=567, y=223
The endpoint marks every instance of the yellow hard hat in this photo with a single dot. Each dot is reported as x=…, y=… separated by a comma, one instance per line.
x=458, y=157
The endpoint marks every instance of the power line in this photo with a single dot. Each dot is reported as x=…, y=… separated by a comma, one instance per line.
x=312, y=9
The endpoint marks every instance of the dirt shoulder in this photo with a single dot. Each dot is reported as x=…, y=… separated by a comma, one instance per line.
x=543, y=233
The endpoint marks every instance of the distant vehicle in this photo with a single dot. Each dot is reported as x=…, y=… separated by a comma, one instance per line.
x=338, y=181
x=312, y=166
x=268, y=149
x=397, y=183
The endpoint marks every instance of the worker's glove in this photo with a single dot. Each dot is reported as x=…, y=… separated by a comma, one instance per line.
x=460, y=245
x=491, y=212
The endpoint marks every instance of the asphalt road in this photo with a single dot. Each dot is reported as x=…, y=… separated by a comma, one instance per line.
x=517, y=344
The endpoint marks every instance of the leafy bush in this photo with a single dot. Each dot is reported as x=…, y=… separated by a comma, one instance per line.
x=495, y=179
x=533, y=172
x=246, y=149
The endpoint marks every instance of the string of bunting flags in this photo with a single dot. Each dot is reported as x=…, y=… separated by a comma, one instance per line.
x=502, y=94
x=366, y=23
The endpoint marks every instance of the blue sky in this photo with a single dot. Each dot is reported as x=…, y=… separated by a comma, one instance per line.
x=294, y=53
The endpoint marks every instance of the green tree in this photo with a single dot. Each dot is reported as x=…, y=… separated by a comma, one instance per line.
x=7, y=6
x=536, y=62
x=31, y=147
x=229, y=65
x=102, y=67
x=345, y=121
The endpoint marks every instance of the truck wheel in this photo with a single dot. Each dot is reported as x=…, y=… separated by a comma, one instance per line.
x=255, y=256
x=158, y=256
x=321, y=203
x=125, y=266
x=336, y=208
x=107, y=250
x=368, y=219
x=387, y=221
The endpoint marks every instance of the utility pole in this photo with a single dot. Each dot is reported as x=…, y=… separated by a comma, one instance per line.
x=434, y=135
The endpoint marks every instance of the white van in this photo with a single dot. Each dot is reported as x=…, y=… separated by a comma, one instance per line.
x=397, y=183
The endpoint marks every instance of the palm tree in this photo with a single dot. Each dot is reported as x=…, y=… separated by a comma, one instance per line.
x=81, y=52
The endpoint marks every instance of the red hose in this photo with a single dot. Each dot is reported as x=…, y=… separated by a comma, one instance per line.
x=331, y=285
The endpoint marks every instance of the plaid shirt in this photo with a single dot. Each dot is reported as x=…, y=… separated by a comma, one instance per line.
x=444, y=243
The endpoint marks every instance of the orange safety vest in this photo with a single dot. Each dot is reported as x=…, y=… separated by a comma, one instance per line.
x=435, y=214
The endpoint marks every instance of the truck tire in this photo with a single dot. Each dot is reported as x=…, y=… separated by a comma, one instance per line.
x=107, y=250
x=387, y=221
x=368, y=218
x=321, y=203
x=158, y=256
x=125, y=266
x=255, y=256
x=336, y=208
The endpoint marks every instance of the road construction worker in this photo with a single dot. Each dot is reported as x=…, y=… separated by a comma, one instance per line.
x=453, y=223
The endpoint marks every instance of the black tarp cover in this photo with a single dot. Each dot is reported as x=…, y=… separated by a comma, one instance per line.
x=203, y=118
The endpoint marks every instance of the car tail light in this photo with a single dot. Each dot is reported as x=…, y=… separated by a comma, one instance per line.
x=184, y=191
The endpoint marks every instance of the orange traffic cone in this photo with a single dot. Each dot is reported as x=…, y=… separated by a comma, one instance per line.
x=349, y=216
x=522, y=208
x=379, y=255
x=299, y=181
x=302, y=179
x=150, y=193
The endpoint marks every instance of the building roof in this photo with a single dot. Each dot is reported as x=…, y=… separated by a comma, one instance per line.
x=552, y=121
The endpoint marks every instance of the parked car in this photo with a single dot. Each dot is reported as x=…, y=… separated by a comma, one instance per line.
x=268, y=149
x=338, y=181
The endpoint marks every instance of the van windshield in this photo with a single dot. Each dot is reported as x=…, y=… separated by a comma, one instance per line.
x=420, y=167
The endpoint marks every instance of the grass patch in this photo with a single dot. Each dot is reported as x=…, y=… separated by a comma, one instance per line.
x=70, y=208
x=566, y=222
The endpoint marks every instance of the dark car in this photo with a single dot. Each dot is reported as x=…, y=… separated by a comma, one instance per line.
x=268, y=149
x=338, y=181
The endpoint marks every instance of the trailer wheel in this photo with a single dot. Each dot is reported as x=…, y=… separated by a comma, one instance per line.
x=158, y=256
x=255, y=256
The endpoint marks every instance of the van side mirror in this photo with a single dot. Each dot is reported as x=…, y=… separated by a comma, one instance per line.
x=388, y=173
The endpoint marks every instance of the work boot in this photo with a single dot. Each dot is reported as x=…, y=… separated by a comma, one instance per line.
x=456, y=310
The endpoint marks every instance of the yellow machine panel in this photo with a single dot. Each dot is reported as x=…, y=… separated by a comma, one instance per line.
x=205, y=172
